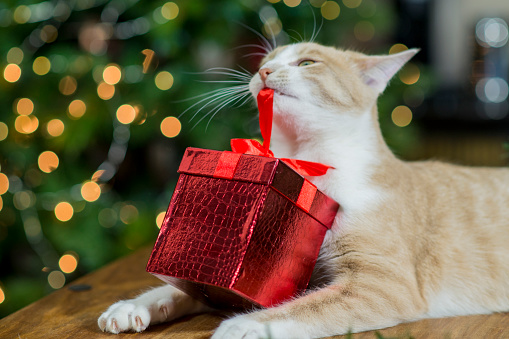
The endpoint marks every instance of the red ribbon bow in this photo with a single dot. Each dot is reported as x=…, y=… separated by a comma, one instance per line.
x=249, y=146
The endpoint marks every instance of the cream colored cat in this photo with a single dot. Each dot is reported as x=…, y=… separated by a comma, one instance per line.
x=415, y=239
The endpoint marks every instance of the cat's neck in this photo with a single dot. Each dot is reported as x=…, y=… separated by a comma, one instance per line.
x=357, y=153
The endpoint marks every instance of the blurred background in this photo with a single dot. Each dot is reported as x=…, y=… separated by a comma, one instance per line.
x=91, y=97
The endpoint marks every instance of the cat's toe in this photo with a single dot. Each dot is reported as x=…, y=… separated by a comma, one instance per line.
x=117, y=319
x=239, y=327
x=140, y=319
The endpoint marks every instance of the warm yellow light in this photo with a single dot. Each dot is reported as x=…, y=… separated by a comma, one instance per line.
x=2, y=295
x=401, y=116
x=68, y=85
x=112, y=75
x=126, y=114
x=23, y=200
x=170, y=10
x=4, y=183
x=41, y=65
x=26, y=124
x=56, y=280
x=410, y=74
x=128, y=214
x=364, y=31
x=273, y=1
x=68, y=263
x=396, y=48
x=164, y=80
x=330, y=10
x=4, y=131
x=90, y=191
x=105, y=91
x=160, y=219
x=12, y=73
x=292, y=3
x=352, y=3
x=15, y=55
x=24, y=106
x=48, y=161
x=77, y=109
x=49, y=33
x=171, y=127
x=64, y=211
x=55, y=127
x=22, y=14
x=1, y=203
x=272, y=27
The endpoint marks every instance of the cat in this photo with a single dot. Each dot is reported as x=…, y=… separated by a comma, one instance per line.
x=415, y=239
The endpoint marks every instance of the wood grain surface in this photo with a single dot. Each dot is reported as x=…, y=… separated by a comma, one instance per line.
x=73, y=314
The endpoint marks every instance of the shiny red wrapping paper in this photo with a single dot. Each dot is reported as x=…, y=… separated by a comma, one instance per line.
x=241, y=230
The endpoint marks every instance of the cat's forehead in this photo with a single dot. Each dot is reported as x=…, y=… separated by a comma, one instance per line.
x=290, y=53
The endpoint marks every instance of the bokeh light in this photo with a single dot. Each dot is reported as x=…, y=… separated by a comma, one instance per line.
x=164, y=80
x=410, y=74
x=12, y=73
x=128, y=214
x=170, y=10
x=112, y=74
x=48, y=161
x=107, y=217
x=15, y=55
x=171, y=127
x=292, y=3
x=77, y=109
x=364, y=31
x=105, y=91
x=160, y=219
x=2, y=295
x=22, y=14
x=41, y=65
x=68, y=263
x=64, y=211
x=352, y=3
x=55, y=127
x=4, y=131
x=90, y=191
x=317, y=3
x=4, y=183
x=49, y=33
x=401, y=116
x=24, y=199
x=68, y=85
x=26, y=124
x=330, y=10
x=24, y=106
x=56, y=280
x=126, y=114
x=396, y=48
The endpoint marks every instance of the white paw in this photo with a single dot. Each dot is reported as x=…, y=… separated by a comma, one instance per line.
x=241, y=328
x=124, y=316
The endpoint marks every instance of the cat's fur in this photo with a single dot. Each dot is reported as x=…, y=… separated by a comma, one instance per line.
x=414, y=240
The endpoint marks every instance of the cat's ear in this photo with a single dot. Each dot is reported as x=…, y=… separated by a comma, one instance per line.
x=376, y=71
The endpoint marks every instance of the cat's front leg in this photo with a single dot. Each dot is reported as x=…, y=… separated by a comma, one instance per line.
x=158, y=305
x=333, y=310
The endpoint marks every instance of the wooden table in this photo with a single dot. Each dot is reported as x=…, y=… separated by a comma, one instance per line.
x=73, y=314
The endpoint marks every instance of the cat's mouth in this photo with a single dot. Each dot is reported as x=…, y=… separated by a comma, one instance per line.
x=279, y=92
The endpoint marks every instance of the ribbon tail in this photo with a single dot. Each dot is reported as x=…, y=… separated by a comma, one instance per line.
x=308, y=168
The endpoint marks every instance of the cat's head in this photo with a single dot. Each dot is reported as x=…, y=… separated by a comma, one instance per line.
x=311, y=81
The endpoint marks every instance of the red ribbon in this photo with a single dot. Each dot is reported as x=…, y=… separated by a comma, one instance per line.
x=248, y=146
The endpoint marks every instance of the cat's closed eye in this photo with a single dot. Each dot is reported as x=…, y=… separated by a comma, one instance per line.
x=306, y=63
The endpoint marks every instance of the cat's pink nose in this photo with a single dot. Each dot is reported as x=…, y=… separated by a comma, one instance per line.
x=264, y=73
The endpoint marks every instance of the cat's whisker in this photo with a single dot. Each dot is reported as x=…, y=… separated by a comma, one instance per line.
x=270, y=47
x=228, y=71
x=219, y=100
x=264, y=48
x=217, y=95
x=207, y=94
x=233, y=101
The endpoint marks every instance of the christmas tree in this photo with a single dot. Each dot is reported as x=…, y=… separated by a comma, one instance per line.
x=91, y=131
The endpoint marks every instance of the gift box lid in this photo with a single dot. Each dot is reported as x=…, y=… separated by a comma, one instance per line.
x=263, y=170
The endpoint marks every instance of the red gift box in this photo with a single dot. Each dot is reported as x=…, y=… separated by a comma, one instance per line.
x=241, y=230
